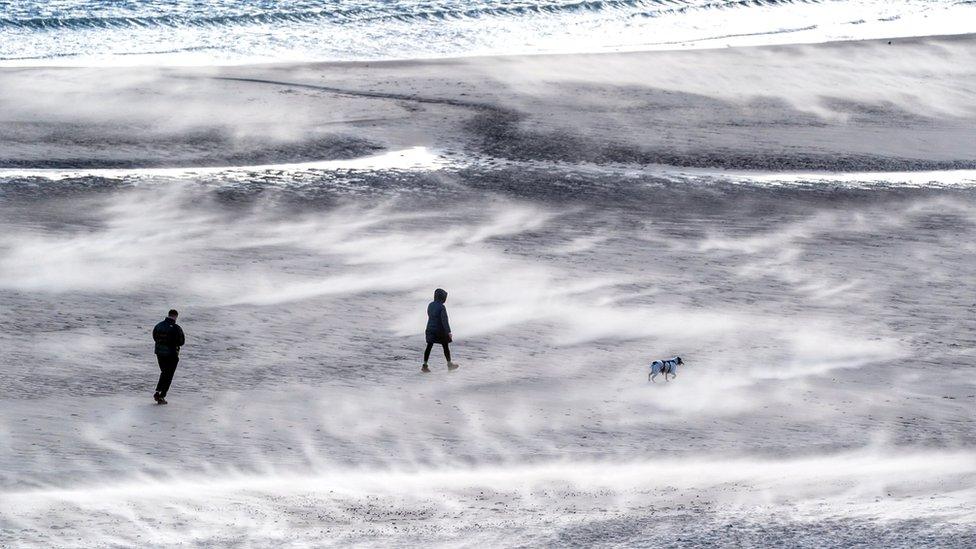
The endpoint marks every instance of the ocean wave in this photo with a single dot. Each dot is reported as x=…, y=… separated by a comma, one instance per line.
x=397, y=11
x=175, y=20
x=725, y=5
x=221, y=31
x=340, y=15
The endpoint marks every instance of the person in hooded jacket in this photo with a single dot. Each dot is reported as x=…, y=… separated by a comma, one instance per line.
x=169, y=338
x=438, y=330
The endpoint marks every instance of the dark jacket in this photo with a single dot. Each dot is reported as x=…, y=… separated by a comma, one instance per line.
x=437, y=322
x=168, y=337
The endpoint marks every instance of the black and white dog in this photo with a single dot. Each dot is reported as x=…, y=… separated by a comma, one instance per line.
x=669, y=366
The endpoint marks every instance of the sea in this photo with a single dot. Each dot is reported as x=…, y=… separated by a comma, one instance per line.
x=203, y=32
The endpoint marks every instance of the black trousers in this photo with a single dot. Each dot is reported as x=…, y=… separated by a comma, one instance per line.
x=167, y=367
x=430, y=345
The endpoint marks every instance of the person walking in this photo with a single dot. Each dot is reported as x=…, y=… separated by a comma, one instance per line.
x=438, y=330
x=169, y=338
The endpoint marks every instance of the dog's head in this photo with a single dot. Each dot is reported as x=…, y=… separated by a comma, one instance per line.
x=678, y=360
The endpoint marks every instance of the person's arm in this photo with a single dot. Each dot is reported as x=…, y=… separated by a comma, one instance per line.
x=444, y=323
x=180, y=338
x=155, y=333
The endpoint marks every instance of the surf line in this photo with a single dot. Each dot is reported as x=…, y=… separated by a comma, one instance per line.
x=414, y=158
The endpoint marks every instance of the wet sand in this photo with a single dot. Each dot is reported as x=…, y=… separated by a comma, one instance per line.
x=852, y=106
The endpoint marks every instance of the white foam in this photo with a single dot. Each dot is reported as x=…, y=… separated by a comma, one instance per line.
x=857, y=179
x=414, y=158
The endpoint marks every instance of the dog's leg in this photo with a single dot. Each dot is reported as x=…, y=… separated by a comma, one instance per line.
x=651, y=377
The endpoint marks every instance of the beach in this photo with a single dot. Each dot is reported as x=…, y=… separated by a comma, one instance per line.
x=827, y=107
x=796, y=222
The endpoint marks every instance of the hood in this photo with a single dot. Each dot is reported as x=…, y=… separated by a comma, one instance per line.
x=440, y=295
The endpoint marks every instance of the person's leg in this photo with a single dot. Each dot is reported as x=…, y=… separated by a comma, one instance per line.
x=165, y=375
x=176, y=361
x=430, y=346
x=162, y=375
x=168, y=367
x=447, y=351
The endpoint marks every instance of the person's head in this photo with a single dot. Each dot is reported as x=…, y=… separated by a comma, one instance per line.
x=173, y=313
x=440, y=295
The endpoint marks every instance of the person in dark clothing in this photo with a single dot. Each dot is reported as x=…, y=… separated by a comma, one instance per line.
x=438, y=330
x=169, y=338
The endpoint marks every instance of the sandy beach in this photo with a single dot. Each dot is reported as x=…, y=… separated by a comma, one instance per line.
x=783, y=217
